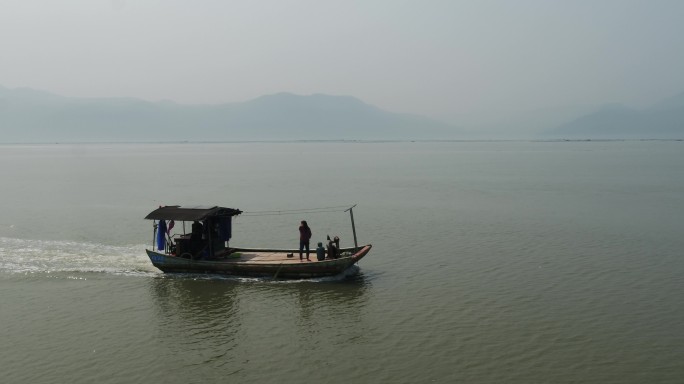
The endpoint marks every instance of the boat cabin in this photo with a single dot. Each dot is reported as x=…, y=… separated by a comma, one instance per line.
x=211, y=230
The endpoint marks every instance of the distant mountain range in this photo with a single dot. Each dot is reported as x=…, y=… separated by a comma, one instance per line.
x=28, y=115
x=664, y=120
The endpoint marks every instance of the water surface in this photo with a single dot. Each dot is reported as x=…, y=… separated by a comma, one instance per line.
x=491, y=262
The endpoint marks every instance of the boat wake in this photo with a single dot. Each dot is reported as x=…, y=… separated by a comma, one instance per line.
x=43, y=256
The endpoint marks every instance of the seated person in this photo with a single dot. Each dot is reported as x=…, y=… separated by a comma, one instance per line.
x=197, y=229
x=196, y=242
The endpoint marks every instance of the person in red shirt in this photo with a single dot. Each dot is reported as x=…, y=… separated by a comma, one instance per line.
x=304, y=238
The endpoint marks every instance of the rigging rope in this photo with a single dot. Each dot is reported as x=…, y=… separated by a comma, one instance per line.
x=296, y=211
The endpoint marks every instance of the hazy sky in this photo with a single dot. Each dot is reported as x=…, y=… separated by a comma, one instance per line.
x=437, y=58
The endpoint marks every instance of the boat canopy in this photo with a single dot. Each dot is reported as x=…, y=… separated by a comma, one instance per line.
x=199, y=213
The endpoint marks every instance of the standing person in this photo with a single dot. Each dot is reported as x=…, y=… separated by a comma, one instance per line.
x=304, y=237
x=196, y=237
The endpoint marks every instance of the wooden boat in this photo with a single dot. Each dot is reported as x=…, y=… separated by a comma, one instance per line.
x=208, y=251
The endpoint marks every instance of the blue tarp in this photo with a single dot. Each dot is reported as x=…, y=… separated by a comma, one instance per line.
x=161, y=235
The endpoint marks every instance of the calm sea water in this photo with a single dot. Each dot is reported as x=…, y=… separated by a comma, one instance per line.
x=493, y=262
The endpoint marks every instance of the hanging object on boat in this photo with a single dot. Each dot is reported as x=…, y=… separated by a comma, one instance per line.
x=161, y=235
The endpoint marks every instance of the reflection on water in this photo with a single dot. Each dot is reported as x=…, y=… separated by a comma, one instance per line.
x=192, y=297
x=220, y=321
x=196, y=298
x=195, y=319
x=344, y=298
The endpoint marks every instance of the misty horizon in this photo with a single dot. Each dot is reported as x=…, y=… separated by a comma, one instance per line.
x=492, y=69
x=473, y=63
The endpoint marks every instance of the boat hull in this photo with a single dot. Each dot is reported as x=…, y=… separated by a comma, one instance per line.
x=279, y=267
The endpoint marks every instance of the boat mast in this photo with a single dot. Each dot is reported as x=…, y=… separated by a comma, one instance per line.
x=351, y=213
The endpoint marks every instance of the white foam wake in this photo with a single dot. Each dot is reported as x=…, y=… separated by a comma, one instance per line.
x=46, y=256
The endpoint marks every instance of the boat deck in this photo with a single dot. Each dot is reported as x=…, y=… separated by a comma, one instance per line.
x=267, y=258
x=271, y=256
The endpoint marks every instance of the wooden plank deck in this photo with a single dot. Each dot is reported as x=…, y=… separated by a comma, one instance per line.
x=271, y=257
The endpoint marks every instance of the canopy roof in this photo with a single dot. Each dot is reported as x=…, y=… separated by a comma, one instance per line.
x=176, y=212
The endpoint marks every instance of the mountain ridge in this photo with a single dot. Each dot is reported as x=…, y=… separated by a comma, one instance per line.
x=662, y=120
x=28, y=115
